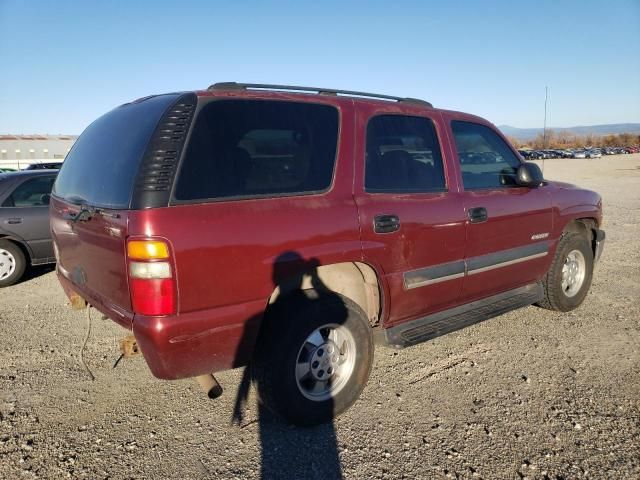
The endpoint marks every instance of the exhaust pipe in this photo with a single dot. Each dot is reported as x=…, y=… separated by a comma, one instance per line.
x=209, y=385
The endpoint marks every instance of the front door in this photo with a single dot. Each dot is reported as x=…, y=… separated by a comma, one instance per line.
x=411, y=218
x=508, y=226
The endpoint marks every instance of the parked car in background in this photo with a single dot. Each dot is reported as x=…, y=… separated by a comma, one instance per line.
x=25, y=237
x=283, y=227
x=45, y=166
x=589, y=152
x=7, y=170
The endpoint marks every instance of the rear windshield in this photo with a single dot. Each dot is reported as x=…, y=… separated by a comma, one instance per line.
x=249, y=148
x=102, y=166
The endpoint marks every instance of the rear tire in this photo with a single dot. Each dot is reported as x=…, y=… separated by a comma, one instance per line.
x=12, y=263
x=311, y=337
x=568, y=280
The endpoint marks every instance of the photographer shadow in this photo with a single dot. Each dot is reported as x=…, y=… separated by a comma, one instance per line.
x=287, y=451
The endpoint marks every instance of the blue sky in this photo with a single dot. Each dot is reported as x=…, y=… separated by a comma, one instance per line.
x=63, y=63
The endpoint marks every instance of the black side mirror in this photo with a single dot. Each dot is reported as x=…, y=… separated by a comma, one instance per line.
x=529, y=175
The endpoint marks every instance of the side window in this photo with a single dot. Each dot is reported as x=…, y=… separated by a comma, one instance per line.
x=403, y=156
x=245, y=148
x=32, y=193
x=486, y=161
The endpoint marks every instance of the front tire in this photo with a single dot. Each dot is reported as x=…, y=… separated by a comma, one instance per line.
x=12, y=263
x=568, y=280
x=313, y=357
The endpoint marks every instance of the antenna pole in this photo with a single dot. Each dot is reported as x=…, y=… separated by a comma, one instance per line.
x=544, y=130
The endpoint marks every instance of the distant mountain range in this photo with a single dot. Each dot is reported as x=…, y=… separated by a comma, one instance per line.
x=611, y=129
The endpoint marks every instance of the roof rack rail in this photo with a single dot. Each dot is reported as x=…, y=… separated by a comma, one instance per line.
x=320, y=91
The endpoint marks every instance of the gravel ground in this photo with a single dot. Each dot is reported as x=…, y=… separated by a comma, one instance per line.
x=530, y=394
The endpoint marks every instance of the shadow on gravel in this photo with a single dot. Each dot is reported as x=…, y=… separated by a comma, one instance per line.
x=287, y=451
x=37, y=271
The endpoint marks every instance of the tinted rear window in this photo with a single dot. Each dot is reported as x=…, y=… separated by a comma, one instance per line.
x=102, y=166
x=248, y=148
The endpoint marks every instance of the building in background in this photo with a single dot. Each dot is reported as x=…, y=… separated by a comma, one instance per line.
x=20, y=151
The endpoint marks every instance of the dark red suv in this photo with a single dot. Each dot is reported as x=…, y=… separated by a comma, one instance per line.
x=287, y=227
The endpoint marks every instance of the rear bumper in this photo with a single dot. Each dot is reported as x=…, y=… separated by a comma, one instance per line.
x=599, y=245
x=197, y=343
x=188, y=344
x=103, y=305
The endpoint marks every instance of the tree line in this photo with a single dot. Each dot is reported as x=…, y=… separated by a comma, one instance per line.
x=563, y=139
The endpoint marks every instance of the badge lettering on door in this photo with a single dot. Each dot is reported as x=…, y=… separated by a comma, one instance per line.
x=539, y=236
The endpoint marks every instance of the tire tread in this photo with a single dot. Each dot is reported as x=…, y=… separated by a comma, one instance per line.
x=262, y=370
x=552, y=297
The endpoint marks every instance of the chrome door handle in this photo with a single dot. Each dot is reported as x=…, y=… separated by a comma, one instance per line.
x=477, y=215
x=386, y=223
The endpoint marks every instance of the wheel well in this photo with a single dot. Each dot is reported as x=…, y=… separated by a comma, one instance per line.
x=354, y=280
x=20, y=245
x=584, y=226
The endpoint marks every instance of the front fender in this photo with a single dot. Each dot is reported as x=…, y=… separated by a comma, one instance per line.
x=581, y=211
x=573, y=203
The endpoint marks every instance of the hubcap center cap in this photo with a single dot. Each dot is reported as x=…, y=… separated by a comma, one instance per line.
x=325, y=360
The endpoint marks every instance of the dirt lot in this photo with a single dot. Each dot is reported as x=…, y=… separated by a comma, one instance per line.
x=531, y=394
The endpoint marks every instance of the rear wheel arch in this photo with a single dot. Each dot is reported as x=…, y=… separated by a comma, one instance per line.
x=356, y=281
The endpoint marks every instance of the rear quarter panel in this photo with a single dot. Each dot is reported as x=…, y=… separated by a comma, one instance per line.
x=229, y=257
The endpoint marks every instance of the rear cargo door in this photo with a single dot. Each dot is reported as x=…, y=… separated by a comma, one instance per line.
x=91, y=254
x=91, y=200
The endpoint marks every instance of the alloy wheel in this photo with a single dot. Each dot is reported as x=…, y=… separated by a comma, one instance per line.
x=325, y=362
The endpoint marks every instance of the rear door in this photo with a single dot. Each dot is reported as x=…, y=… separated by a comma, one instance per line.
x=411, y=217
x=508, y=226
x=25, y=214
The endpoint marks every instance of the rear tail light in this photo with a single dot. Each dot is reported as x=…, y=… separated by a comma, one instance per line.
x=150, y=270
x=152, y=283
x=147, y=249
